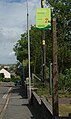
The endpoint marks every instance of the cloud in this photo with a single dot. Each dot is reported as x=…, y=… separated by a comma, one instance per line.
x=12, y=53
x=13, y=22
x=11, y=1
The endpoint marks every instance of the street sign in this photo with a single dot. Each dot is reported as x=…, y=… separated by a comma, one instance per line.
x=43, y=18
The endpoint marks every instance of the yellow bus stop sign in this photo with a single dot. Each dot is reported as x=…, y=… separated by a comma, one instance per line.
x=43, y=18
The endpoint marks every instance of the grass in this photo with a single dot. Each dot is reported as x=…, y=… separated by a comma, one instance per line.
x=66, y=94
x=43, y=90
x=46, y=92
x=64, y=109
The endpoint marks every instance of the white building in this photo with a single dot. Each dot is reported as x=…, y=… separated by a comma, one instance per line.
x=6, y=73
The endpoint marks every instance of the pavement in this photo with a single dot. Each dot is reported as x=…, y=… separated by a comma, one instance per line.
x=18, y=107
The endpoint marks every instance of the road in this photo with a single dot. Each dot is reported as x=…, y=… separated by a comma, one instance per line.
x=16, y=105
x=4, y=90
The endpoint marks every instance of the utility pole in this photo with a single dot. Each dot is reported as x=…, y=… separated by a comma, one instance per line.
x=55, y=70
x=43, y=52
x=28, y=52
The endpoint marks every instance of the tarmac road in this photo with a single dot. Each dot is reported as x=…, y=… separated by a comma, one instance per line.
x=4, y=90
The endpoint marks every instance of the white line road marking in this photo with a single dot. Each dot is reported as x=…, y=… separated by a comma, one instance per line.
x=6, y=102
x=5, y=95
x=9, y=89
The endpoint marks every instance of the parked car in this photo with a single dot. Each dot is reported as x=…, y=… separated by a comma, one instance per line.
x=18, y=83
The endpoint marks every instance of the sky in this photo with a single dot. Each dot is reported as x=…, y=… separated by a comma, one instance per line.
x=13, y=22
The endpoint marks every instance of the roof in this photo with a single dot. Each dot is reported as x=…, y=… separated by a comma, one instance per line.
x=3, y=70
x=6, y=73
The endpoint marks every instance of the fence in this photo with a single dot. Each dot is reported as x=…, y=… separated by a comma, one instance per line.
x=35, y=81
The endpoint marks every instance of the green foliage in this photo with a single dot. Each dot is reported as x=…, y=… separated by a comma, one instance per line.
x=43, y=90
x=16, y=78
x=22, y=53
x=62, y=11
x=21, y=49
x=1, y=75
x=35, y=50
x=6, y=79
x=65, y=80
x=13, y=79
x=1, y=79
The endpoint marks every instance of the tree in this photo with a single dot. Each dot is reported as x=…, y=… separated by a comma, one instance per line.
x=21, y=48
x=62, y=11
x=35, y=50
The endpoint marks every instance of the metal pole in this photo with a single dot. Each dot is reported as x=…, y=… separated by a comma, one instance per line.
x=28, y=52
x=55, y=70
x=50, y=78
x=23, y=70
x=43, y=52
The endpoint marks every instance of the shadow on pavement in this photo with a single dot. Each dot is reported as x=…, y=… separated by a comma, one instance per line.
x=21, y=91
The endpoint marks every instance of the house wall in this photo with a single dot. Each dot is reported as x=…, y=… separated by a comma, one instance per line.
x=6, y=73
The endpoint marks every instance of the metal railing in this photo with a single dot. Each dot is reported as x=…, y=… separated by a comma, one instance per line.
x=35, y=80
